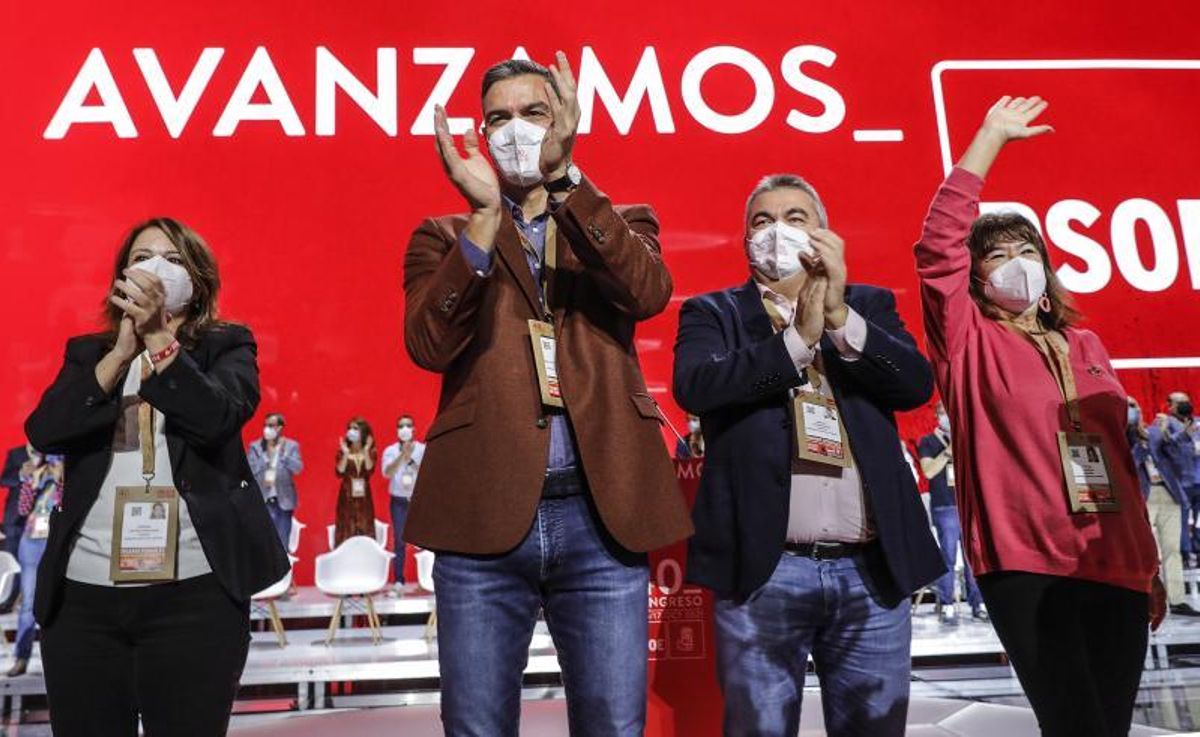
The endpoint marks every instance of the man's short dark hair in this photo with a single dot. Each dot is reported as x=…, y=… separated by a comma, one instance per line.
x=277, y=416
x=406, y=416
x=514, y=68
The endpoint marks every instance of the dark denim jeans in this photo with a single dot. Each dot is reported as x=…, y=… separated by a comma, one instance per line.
x=1189, y=543
x=949, y=535
x=594, y=596
x=824, y=608
x=30, y=551
x=399, y=514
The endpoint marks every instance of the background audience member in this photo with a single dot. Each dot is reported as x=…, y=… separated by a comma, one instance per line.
x=13, y=524
x=40, y=493
x=692, y=444
x=1165, y=502
x=275, y=461
x=355, y=461
x=937, y=464
x=401, y=463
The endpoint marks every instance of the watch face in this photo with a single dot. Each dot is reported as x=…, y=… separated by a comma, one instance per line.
x=574, y=175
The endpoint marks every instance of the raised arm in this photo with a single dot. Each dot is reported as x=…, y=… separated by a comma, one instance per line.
x=943, y=260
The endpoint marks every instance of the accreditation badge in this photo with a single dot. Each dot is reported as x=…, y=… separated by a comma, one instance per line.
x=41, y=526
x=145, y=534
x=820, y=434
x=1090, y=484
x=541, y=337
x=950, y=474
x=269, y=477
x=358, y=487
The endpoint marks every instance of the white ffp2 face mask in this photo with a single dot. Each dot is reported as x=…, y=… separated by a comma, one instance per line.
x=1017, y=285
x=404, y=434
x=177, y=283
x=776, y=249
x=353, y=435
x=516, y=148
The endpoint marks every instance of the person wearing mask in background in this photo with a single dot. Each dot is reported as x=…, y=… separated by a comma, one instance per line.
x=809, y=529
x=1180, y=443
x=275, y=461
x=13, y=524
x=1165, y=502
x=937, y=463
x=355, y=460
x=41, y=490
x=151, y=411
x=401, y=463
x=1066, y=562
x=546, y=479
x=692, y=444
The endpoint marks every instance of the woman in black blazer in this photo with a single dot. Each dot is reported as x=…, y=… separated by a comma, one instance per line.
x=168, y=385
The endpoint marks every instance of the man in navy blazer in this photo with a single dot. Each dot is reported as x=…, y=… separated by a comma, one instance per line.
x=810, y=547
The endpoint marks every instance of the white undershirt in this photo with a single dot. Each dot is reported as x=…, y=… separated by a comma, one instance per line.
x=91, y=552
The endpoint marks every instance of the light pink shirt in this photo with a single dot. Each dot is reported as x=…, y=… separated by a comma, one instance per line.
x=827, y=503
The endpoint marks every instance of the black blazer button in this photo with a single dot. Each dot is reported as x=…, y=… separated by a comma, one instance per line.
x=171, y=384
x=90, y=401
x=541, y=423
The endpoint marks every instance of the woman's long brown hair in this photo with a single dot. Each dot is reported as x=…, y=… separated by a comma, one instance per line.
x=201, y=267
x=1009, y=227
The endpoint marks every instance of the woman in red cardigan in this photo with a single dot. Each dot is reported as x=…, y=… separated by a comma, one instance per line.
x=1054, y=525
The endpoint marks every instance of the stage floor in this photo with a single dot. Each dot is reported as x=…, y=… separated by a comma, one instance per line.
x=926, y=718
x=962, y=663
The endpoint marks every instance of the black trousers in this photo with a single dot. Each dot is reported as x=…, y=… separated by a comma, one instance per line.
x=172, y=653
x=1078, y=648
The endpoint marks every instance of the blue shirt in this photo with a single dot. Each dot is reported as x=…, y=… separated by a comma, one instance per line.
x=562, y=452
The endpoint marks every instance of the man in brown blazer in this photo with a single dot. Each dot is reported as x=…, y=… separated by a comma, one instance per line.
x=545, y=478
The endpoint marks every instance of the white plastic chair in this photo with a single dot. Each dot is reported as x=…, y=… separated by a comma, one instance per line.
x=353, y=572
x=9, y=568
x=381, y=533
x=264, y=601
x=424, y=560
x=294, y=536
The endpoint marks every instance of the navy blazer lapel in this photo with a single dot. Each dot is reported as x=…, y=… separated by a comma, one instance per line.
x=751, y=311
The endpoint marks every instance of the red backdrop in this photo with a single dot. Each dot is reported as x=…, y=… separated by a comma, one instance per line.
x=309, y=210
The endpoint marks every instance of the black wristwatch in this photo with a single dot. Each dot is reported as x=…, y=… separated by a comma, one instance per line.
x=567, y=182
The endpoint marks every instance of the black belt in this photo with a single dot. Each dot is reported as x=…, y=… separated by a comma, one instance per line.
x=824, y=550
x=562, y=483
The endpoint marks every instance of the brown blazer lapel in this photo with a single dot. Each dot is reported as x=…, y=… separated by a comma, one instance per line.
x=508, y=244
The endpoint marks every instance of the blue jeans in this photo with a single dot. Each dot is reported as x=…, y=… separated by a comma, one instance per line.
x=399, y=514
x=594, y=596
x=29, y=554
x=949, y=535
x=825, y=608
x=1190, y=542
x=282, y=519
